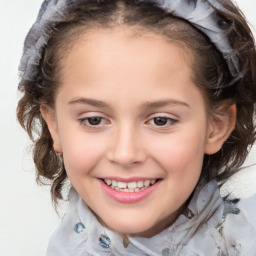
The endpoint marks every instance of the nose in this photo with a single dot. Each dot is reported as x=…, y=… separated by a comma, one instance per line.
x=126, y=147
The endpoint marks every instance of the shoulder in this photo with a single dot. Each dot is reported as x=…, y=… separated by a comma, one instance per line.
x=239, y=226
x=70, y=230
x=229, y=231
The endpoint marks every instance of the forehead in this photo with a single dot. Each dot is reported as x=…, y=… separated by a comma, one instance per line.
x=110, y=61
x=113, y=49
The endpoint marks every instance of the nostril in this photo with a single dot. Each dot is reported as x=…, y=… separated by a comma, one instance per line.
x=126, y=158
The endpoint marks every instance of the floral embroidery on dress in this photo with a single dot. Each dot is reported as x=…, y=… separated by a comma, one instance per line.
x=169, y=251
x=104, y=241
x=79, y=227
x=229, y=208
x=218, y=236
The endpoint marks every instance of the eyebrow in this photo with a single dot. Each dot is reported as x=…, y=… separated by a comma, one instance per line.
x=146, y=105
x=164, y=103
x=92, y=102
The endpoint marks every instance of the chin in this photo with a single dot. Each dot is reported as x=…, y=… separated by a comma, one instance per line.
x=130, y=228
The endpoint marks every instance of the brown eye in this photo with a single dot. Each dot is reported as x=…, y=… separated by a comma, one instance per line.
x=94, y=120
x=160, y=121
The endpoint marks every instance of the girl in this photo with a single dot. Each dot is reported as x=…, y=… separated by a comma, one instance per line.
x=145, y=107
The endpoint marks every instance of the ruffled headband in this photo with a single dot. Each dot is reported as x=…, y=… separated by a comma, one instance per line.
x=199, y=13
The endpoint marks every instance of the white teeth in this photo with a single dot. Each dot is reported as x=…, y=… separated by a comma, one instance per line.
x=114, y=183
x=134, y=186
x=140, y=184
x=146, y=183
x=121, y=184
x=109, y=182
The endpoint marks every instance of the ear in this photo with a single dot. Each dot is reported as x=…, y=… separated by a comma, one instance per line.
x=220, y=128
x=50, y=118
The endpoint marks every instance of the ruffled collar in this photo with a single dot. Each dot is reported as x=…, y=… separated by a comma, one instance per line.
x=80, y=233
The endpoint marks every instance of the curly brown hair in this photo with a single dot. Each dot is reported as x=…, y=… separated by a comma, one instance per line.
x=211, y=75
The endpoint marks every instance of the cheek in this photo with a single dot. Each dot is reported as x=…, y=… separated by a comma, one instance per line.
x=81, y=152
x=180, y=153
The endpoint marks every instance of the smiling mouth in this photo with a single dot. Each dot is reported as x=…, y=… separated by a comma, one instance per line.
x=134, y=186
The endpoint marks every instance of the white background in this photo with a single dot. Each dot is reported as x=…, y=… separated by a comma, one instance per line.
x=27, y=218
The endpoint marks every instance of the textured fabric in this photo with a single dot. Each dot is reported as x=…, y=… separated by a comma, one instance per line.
x=201, y=14
x=229, y=231
x=243, y=183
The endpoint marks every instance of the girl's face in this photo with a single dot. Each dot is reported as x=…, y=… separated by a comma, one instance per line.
x=128, y=115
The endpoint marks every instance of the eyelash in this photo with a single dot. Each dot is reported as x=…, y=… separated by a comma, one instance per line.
x=170, y=121
x=86, y=121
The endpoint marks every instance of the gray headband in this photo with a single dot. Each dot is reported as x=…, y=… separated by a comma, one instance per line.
x=199, y=13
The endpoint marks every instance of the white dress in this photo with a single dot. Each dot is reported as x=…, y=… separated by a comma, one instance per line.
x=230, y=230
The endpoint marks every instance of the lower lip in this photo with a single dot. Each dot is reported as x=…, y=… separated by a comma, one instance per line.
x=128, y=197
